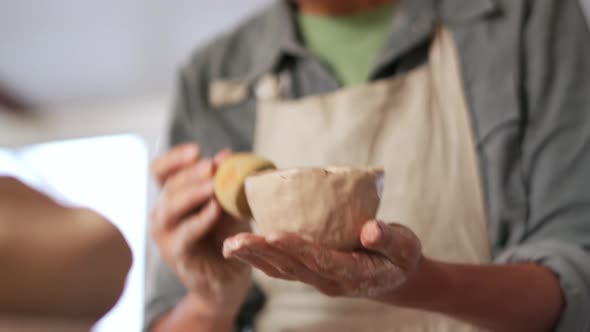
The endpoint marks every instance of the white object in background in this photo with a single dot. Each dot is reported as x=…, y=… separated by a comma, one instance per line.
x=110, y=175
x=10, y=165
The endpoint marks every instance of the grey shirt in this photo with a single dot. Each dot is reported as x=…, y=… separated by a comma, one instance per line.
x=526, y=73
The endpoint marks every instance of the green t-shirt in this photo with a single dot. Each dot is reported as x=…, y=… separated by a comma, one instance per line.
x=348, y=44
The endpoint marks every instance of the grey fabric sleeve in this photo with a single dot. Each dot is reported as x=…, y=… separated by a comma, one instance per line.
x=556, y=153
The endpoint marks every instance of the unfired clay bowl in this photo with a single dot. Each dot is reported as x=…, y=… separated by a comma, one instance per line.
x=327, y=205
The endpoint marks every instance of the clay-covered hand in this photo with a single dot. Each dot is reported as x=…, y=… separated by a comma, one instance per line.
x=389, y=255
x=189, y=228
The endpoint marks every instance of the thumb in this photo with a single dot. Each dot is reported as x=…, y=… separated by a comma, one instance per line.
x=394, y=241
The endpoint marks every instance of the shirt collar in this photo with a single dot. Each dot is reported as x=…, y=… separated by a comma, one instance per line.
x=278, y=37
x=413, y=23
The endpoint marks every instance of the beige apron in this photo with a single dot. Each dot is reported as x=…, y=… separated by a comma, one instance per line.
x=417, y=127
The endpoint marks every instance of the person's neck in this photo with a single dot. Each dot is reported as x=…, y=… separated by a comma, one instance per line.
x=338, y=7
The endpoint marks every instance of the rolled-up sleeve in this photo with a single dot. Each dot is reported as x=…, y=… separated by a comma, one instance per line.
x=556, y=153
x=572, y=266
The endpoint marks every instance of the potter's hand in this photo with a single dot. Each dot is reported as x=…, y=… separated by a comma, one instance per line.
x=189, y=227
x=389, y=255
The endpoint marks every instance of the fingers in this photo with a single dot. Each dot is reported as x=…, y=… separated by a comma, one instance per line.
x=396, y=242
x=356, y=273
x=261, y=251
x=186, y=190
x=221, y=156
x=173, y=160
x=321, y=260
x=175, y=205
x=257, y=252
x=331, y=264
x=192, y=175
x=290, y=257
x=239, y=247
x=239, y=243
x=196, y=226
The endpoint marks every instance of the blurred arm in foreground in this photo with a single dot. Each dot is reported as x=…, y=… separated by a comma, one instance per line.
x=59, y=264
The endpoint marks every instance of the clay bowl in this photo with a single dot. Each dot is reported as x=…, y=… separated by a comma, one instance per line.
x=326, y=205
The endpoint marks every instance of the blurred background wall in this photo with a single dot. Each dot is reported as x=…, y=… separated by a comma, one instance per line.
x=64, y=51
x=85, y=92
